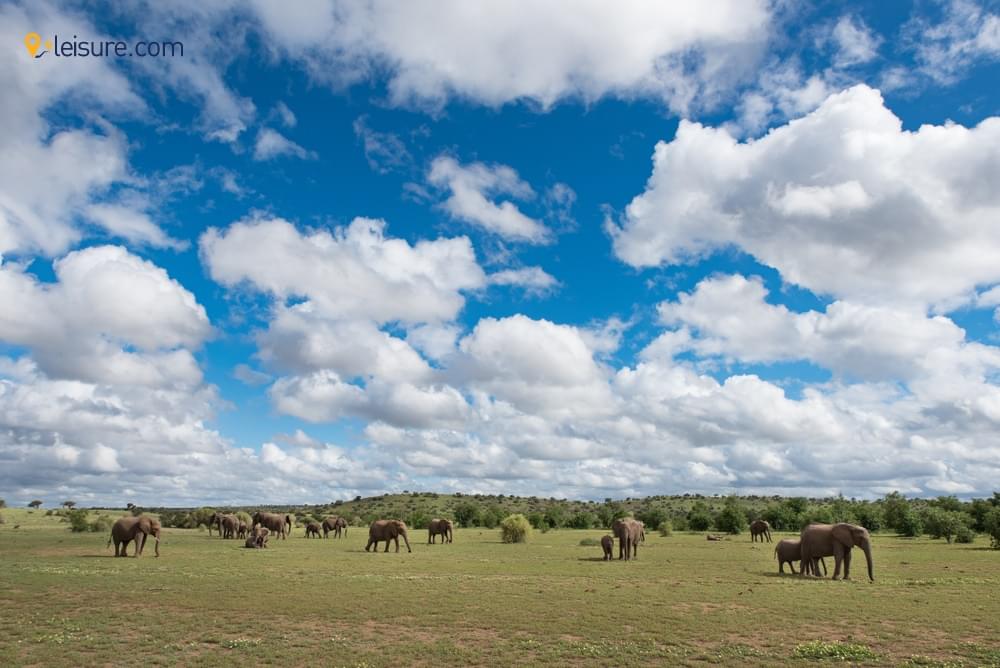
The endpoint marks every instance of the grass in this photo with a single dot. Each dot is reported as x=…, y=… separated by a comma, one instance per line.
x=64, y=600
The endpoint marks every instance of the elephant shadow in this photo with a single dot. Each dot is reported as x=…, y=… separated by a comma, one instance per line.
x=594, y=559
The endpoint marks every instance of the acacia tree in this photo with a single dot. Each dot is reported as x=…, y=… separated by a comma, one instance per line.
x=68, y=504
x=35, y=503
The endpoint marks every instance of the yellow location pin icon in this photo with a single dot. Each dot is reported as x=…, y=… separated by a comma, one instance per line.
x=32, y=41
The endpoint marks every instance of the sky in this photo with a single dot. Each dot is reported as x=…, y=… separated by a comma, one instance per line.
x=575, y=249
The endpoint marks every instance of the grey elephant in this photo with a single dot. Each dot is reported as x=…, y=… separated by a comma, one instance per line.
x=213, y=521
x=439, y=527
x=274, y=522
x=836, y=540
x=128, y=529
x=227, y=525
x=336, y=525
x=387, y=530
x=258, y=538
x=242, y=529
x=760, y=529
x=629, y=533
x=789, y=550
x=608, y=545
x=312, y=529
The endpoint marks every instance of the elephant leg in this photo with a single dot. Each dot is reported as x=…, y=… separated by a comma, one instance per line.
x=847, y=564
x=140, y=542
x=838, y=558
x=368, y=545
x=822, y=561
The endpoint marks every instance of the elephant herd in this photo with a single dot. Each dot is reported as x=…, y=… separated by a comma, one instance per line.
x=815, y=541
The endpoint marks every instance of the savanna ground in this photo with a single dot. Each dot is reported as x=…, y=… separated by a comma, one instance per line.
x=64, y=600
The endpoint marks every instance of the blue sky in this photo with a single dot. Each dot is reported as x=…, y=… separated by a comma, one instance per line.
x=568, y=249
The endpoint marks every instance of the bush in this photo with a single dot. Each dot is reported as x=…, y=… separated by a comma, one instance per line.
x=652, y=517
x=944, y=523
x=589, y=542
x=78, y=521
x=869, y=516
x=515, y=529
x=581, y=520
x=102, y=524
x=467, y=514
x=992, y=523
x=3, y=504
x=731, y=519
x=680, y=523
x=665, y=528
x=965, y=535
x=908, y=523
x=698, y=517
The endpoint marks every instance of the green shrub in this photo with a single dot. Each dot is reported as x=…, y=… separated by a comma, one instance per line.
x=580, y=520
x=515, y=529
x=869, y=516
x=665, y=528
x=590, y=542
x=680, y=523
x=102, y=524
x=965, y=535
x=840, y=651
x=78, y=521
x=909, y=523
x=698, y=517
x=992, y=523
x=944, y=523
x=731, y=519
x=467, y=514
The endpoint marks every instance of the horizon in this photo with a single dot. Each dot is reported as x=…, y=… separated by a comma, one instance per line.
x=573, y=250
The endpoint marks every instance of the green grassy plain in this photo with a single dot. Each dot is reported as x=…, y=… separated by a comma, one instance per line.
x=64, y=600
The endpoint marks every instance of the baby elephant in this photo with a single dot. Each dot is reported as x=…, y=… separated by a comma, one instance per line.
x=313, y=529
x=789, y=550
x=258, y=538
x=608, y=545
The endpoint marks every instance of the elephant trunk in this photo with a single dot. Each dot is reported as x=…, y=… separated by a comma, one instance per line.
x=866, y=546
x=156, y=545
x=405, y=540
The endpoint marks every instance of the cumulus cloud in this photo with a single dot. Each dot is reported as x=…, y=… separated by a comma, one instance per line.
x=109, y=317
x=271, y=144
x=842, y=201
x=354, y=272
x=500, y=52
x=534, y=280
x=470, y=188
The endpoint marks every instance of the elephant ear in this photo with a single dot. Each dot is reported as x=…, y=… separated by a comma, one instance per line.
x=843, y=534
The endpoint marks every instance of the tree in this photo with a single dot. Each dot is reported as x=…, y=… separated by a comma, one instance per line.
x=943, y=523
x=580, y=520
x=731, y=519
x=555, y=517
x=699, y=519
x=894, y=510
x=467, y=514
x=34, y=504
x=909, y=523
x=993, y=527
x=68, y=504
x=868, y=515
x=3, y=504
x=652, y=517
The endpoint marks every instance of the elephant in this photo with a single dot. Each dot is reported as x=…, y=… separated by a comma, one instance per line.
x=336, y=525
x=387, y=530
x=312, y=529
x=836, y=540
x=213, y=520
x=760, y=529
x=274, y=522
x=242, y=530
x=258, y=538
x=127, y=529
x=789, y=550
x=227, y=525
x=444, y=528
x=608, y=545
x=642, y=531
x=628, y=532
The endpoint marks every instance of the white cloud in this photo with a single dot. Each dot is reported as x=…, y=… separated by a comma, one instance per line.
x=110, y=317
x=856, y=44
x=470, y=188
x=286, y=115
x=384, y=151
x=130, y=224
x=499, y=52
x=534, y=280
x=967, y=34
x=271, y=144
x=842, y=202
x=355, y=272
